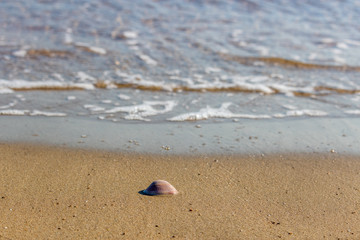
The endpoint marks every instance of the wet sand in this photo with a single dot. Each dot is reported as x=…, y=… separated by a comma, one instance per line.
x=306, y=135
x=58, y=193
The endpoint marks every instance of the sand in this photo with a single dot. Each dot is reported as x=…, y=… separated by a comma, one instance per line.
x=59, y=193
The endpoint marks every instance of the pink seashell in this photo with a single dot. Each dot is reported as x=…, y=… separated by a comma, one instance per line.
x=160, y=187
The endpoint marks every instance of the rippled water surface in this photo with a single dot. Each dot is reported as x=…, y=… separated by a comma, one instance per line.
x=159, y=61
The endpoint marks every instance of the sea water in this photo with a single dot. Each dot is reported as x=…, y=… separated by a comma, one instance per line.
x=170, y=61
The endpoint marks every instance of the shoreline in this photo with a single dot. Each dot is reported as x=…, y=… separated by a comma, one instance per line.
x=305, y=135
x=55, y=192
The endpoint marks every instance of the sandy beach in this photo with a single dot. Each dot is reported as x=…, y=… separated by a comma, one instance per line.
x=250, y=109
x=58, y=193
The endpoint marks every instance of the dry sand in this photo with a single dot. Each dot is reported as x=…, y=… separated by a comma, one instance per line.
x=53, y=193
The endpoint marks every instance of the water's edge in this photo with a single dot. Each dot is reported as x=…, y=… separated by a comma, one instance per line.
x=315, y=135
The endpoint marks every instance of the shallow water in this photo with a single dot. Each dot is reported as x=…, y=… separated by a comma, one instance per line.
x=163, y=61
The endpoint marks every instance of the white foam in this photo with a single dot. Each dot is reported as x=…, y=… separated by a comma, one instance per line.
x=290, y=107
x=257, y=79
x=298, y=113
x=136, y=117
x=238, y=82
x=21, y=97
x=134, y=48
x=262, y=50
x=47, y=114
x=68, y=36
x=327, y=40
x=188, y=81
x=198, y=77
x=242, y=82
x=339, y=60
x=148, y=60
x=342, y=45
x=146, y=109
x=255, y=87
x=337, y=51
x=352, y=42
x=307, y=112
x=130, y=34
x=121, y=74
x=22, y=84
x=83, y=77
x=5, y=90
x=94, y=108
x=98, y=50
x=139, y=81
x=174, y=72
x=81, y=44
x=245, y=82
x=242, y=44
x=354, y=111
x=258, y=63
x=312, y=56
x=289, y=90
x=279, y=115
x=17, y=112
x=356, y=98
x=20, y=53
x=70, y=98
x=235, y=34
x=223, y=50
x=212, y=70
x=261, y=84
x=123, y=97
x=132, y=42
x=14, y=112
x=209, y=112
x=12, y=104
x=58, y=76
x=90, y=48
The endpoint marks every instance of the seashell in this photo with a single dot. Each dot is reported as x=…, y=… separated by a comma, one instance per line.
x=160, y=187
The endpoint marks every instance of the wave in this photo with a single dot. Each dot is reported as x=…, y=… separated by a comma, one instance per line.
x=7, y=86
x=53, y=53
x=283, y=62
x=224, y=112
x=33, y=53
x=17, y=112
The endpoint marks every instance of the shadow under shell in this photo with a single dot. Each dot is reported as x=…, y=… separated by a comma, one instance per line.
x=159, y=187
